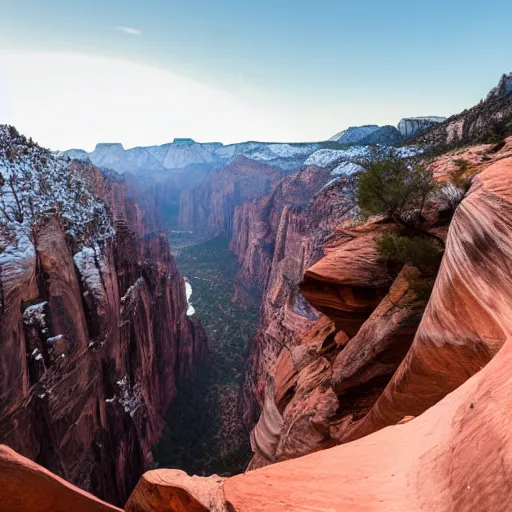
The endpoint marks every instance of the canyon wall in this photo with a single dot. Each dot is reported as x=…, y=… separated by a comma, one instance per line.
x=208, y=210
x=93, y=321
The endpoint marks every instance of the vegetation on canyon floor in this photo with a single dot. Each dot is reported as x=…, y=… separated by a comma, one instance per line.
x=204, y=432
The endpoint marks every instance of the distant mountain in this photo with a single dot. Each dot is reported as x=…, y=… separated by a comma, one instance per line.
x=385, y=135
x=185, y=152
x=354, y=134
x=373, y=134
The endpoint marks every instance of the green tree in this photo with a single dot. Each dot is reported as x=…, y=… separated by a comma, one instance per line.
x=396, y=188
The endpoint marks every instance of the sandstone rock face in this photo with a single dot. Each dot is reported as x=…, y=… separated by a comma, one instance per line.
x=174, y=490
x=410, y=126
x=301, y=214
x=445, y=346
x=92, y=321
x=335, y=326
x=27, y=487
x=452, y=458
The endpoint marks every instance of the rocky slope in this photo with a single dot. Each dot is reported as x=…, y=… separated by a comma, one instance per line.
x=489, y=121
x=92, y=321
x=374, y=134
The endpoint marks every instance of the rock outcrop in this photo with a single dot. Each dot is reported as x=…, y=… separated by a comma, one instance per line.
x=300, y=215
x=410, y=126
x=92, y=321
x=28, y=487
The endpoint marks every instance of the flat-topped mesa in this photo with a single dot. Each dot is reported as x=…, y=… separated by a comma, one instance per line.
x=183, y=141
x=410, y=126
x=109, y=147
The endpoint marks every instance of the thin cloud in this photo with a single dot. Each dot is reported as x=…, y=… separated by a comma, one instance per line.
x=129, y=30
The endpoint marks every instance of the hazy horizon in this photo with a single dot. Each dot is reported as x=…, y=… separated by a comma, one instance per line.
x=74, y=75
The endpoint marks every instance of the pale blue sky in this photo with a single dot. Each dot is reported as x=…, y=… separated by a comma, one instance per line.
x=302, y=70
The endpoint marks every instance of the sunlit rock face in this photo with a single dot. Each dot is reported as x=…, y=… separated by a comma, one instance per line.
x=92, y=320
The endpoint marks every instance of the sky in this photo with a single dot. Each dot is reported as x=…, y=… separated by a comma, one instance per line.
x=74, y=73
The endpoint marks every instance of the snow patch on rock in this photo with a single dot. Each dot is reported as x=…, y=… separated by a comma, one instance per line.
x=188, y=292
x=86, y=262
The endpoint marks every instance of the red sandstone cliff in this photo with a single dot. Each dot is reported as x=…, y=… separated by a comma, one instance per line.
x=260, y=225
x=92, y=321
x=452, y=458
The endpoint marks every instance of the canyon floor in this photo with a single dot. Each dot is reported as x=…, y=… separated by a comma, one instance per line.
x=204, y=433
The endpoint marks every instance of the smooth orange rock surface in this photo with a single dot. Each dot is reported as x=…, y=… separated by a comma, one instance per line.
x=456, y=457
x=27, y=487
x=173, y=490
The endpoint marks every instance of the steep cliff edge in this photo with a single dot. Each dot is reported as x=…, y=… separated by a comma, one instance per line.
x=93, y=321
x=26, y=486
x=301, y=216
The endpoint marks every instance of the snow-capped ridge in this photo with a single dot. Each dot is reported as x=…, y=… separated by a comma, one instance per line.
x=34, y=185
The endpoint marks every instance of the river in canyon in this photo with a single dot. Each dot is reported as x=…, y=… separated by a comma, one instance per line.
x=204, y=432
